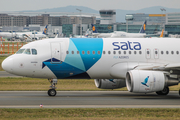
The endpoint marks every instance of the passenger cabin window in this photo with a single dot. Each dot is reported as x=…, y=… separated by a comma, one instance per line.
x=67, y=52
x=114, y=52
x=119, y=52
x=72, y=52
x=156, y=52
x=162, y=52
x=93, y=52
x=167, y=52
x=177, y=52
x=99, y=52
x=20, y=51
x=27, y=51
x=148, y=52
x=88, y=52
x=34, y=51
x=104, y=52
x=172, y=52
x=140, y=52
x=77, y=52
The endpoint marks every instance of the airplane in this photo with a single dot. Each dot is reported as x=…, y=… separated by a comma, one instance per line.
x=8, y=35
x=120, y=34
x=33, y=35
x=162, y=33
x=83, y=36
x=25, y=35
x=143, y=65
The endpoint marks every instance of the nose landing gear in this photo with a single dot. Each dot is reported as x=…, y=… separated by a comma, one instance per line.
x=52, y=91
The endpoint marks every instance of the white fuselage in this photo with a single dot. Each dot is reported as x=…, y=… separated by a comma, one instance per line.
x=7, y=35
x=97, y=58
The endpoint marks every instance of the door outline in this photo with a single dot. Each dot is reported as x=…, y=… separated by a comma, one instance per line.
x=56, y=52
x=156, y=53
x=148, y=56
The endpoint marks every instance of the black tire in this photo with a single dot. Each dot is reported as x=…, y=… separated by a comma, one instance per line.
x=165, y=91
x=179, y=92
x=52, y=92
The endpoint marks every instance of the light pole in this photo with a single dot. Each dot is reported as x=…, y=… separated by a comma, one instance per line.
x=80, y=22
x=127, y=25
x=12, y=26
x=162, y=9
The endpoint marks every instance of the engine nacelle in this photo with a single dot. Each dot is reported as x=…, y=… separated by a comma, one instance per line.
x=110, y=83
x=142, y=81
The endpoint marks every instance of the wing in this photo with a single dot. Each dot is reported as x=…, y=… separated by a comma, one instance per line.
x=173, y=68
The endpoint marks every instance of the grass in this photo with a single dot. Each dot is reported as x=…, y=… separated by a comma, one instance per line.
x=91, y=114
x=1, y=59
x=35, y=84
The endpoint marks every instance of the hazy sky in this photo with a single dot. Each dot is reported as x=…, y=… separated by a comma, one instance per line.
x=18, y=5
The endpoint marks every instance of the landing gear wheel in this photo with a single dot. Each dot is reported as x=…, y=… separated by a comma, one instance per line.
x=165, y=91
x=52, y=92
x=179, y=92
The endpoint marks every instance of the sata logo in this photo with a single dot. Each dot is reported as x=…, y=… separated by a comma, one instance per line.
x=127, y=45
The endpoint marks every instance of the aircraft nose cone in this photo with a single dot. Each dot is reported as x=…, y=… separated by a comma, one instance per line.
x=7, y=65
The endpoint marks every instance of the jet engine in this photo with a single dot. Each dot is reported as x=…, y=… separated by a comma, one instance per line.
x=141, y=81
x=110, y=83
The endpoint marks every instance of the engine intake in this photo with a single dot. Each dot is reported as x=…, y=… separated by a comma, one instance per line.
x=142, y=81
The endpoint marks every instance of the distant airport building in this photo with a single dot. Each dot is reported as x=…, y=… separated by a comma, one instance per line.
x=172, y=18
x=44, y=19
x=173, y=24
x=74, y=29
x=41, y=20
x=136, y=19
x=155, y=22
x=69, y=25
x=107, y=16
x=10, y=20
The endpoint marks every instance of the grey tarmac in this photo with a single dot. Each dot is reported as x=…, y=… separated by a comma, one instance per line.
x=87, y=99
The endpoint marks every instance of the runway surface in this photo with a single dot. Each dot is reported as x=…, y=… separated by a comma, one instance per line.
x=87, y=99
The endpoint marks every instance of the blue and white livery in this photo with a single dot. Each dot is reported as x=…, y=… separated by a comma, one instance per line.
x=112, y=62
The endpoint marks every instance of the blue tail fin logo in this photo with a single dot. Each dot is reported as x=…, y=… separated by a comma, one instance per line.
x=45, y=30
x=143, y=28
x=145, y=81
x=94, y=29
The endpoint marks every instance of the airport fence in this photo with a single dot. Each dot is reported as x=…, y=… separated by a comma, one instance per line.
x=10, y=47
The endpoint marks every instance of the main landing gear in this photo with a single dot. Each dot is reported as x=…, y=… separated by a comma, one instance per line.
x=165, y=91
x=52, y=91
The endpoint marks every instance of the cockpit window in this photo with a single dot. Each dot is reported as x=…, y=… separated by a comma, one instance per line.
x=20, y=51
x=34, y=51
x=27, y=51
